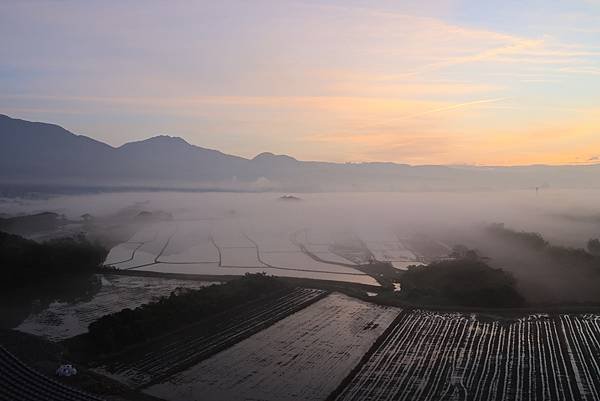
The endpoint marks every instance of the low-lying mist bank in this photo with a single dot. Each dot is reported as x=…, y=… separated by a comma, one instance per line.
x=545, y=272
x=378, y=220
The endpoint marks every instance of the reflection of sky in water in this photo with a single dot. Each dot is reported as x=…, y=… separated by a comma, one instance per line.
x=62, y=320
x=302, y=357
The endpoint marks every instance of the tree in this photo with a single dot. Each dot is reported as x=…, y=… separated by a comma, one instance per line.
x=462, y=282
x=593, y=246
x=86, y=217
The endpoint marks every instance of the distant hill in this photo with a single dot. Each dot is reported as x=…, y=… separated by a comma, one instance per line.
x=38, y=152
x=46, y=154
x=28, y=224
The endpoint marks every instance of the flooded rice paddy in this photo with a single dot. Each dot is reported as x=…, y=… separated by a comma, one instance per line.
x=161, y=358
x=228, y=247
x=303, y=357
x=61, y=320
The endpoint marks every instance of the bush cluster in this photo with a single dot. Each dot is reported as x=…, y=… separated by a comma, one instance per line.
x=462, y=282
x=26, y=263
x=128, y=327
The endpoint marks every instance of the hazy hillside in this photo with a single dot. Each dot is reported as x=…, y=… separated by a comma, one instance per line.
x=40, y=153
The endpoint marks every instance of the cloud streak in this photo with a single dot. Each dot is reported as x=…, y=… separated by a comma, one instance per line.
x=402, y=82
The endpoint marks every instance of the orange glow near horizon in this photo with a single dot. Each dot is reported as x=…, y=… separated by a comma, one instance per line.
x=445, y=82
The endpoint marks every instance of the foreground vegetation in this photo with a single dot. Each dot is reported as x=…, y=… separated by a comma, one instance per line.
x=36, y=274
x=460, y=282
x=575, y=257
x=27, y=263
x=33, y=223
x=129, y=327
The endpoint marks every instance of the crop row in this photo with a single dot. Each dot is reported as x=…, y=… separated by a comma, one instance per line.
x=157, y=360
x=302, y=357
x=20, y=382
x=430, y=356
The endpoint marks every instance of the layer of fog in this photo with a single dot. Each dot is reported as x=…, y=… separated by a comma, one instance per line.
x=567, y=218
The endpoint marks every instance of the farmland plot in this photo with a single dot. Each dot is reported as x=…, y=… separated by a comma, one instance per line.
x=221, y=247
x=229, y=234
x=385, y=246
x=203, y=252
x=430, y=356
x=273, y=239
x=122, y=253
x=428, y=248
x=303, y=357
x=21, y=382
x=191, y=243
x=240, y=257
x=301, y=261
x=215, y=269
x=390, y=251
x=323, y=252
x=147, y=233
x=145, y=253
x=191, y=268
x=63, y=320
x=284, y=258
x=279, y=251
x=322, y=236
x=234, y=247
x=583, y=343
x=126, y=251
x=316, y=275
x=170, y=354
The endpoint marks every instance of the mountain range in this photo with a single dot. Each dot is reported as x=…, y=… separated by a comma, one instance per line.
x=46, y=154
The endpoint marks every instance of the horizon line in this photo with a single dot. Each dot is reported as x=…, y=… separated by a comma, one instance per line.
x=588, y=163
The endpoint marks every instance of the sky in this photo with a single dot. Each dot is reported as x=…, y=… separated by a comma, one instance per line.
x=419, y=82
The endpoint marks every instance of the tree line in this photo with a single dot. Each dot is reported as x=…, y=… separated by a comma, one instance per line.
x=128, y=327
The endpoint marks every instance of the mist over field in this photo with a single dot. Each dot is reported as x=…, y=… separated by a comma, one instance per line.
x=300, y=200
x=564, y=218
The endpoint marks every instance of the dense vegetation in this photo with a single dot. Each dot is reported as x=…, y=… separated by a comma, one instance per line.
x=29, y=224
x=26, y=263
x=383, y=272
x=461, y=282
x=593, y=246
x=571, y=257
x=37, y=274
x=127, y=327
x=530, y=239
